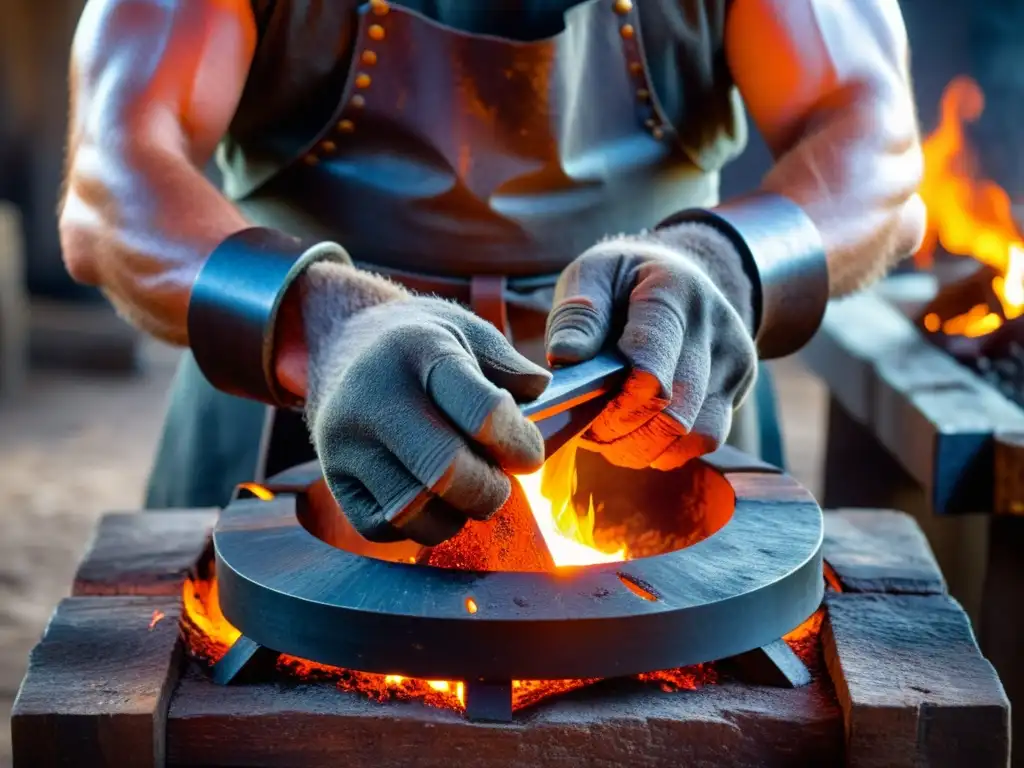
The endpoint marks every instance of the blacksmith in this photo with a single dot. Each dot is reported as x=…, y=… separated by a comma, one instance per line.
x=424, y=200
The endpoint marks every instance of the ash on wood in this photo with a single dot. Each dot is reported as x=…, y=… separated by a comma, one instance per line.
x=98, y=684
x=144, y=554
x=913, y=686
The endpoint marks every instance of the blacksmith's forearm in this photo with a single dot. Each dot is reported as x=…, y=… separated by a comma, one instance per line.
x=856, y=175
x=141, y=233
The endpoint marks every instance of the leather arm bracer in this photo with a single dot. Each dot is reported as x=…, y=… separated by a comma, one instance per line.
x=784, y=257
x=233, y=309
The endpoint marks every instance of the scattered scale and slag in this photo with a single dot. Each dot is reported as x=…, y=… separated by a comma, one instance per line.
x=568, y=536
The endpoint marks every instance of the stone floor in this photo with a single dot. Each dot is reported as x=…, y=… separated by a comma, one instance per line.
x=72, y=448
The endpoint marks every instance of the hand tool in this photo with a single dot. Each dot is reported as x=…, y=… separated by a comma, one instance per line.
x=575, y=397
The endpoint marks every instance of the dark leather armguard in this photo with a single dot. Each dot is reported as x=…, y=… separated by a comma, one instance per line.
x=785, y=260
x=232, y=311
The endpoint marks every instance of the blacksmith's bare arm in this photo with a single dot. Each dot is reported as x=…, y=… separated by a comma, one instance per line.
x=154, y=85
x=827, y=84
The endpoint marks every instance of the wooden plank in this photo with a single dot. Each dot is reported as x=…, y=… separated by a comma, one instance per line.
x=1009, y=472
x=1001, y=624
x=931, y=413
x=875, y=550
x=13, y=303
x=98, y=684
x=914, y=688
x=149, y=553
x=615, y=724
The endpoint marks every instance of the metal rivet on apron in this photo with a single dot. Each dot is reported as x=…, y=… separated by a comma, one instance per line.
x=328, y=146
x=658, y=133
x=346, y=126
x=358, y=101
x=363, y=80
x=651, y=123
x=623, y=7
x=376, y=32
x=643, y=94
x=379, y=7
x=628, y=31
x=636, y=68
x=369, y=58
x=310, y=160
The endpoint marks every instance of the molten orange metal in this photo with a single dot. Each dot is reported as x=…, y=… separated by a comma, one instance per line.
x=158, y=616
x=969, y=216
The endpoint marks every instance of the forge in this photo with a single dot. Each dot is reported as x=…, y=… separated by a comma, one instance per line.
x=511, y=610
x=688, y=619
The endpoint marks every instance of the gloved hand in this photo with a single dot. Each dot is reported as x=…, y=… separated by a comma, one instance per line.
x=684, y=301
x=410, y=402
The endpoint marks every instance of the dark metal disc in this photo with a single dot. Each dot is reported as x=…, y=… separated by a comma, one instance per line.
x=746, y=585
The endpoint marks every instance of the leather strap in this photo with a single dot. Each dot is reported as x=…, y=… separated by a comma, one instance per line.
x=487, y=300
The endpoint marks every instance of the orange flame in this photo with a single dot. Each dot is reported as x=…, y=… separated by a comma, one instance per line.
x=568, y=537
x=968, y=216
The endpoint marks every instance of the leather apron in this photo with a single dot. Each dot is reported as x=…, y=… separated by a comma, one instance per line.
x=461, y=163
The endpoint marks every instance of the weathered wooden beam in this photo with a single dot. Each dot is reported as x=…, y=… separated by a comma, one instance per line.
x=98, y=684
x=874, y=550
x=914, y=688
x=624, y=724
x=149, y=553
x=935, y=416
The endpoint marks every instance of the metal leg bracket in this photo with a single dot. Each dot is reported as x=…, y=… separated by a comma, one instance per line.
x=245, y=662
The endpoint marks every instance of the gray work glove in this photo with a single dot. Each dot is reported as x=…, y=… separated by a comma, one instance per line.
x=411, y=402
x=684, y=301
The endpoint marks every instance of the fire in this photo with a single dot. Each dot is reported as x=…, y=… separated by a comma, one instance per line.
x=210, y=635
x=570, y=540
x=568, y=537
x=969, y=216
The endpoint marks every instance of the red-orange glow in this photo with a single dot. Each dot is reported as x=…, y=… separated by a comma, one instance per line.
x=210, y=635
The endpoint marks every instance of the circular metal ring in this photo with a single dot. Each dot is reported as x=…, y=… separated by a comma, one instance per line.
x=755, y=579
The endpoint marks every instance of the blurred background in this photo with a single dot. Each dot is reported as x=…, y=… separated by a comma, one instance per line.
x=81, y=395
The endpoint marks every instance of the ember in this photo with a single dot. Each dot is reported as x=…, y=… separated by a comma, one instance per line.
x=570, y=540
x=969, y=216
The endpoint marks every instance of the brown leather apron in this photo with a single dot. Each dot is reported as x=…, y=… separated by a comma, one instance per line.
x=474, y=166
